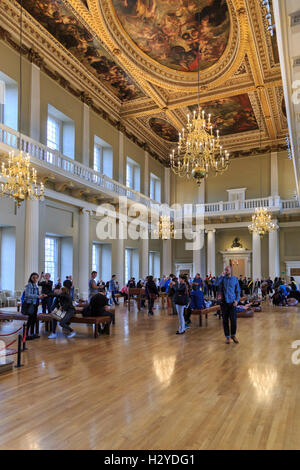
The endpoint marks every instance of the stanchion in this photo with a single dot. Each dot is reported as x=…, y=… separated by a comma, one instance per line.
x=19, y=352
x=24, y=337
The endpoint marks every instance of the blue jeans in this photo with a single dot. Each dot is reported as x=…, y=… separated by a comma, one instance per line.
x=180, y=313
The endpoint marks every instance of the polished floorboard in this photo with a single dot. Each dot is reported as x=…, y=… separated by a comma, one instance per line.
x=143, y=387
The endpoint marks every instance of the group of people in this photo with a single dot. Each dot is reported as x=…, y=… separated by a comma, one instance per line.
x=184, y=295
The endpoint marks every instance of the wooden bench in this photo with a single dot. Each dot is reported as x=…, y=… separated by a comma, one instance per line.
x=164, y=299
x=206, y=312
x=136, y=294
x=42, y=317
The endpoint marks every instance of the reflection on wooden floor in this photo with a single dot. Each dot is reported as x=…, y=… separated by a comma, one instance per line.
x=143, y=387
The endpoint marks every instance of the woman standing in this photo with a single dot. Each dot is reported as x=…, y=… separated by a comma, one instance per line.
x=181, y=301
x=151, y=293
x=31, y=304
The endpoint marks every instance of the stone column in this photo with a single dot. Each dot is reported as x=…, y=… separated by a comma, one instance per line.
x=146, y=175
x=167, y=188
x=35, y=103
x=86, y=136
x=84, y=252
x=118, y=254
x=31, y=262
x=211, y=252
x=199, y=256
x=167, y=264
x=274, y=174
x=256, y=257
x=274, y=263
x=144, y=258
x=121, y=158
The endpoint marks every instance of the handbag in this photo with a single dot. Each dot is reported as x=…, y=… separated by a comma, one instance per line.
x=27, y=309
x=58, y=314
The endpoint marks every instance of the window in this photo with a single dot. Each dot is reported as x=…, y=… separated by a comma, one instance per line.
x=7, y=258
x=60, y=132
x=53, y=133
x=8, y=101
x=95, y=258
x=133, y=175
x=155, y=188
x=131, y=264
x=101, y=260
x=236, y=194
x=154, y=264
x=103, y=157
x=51, y=257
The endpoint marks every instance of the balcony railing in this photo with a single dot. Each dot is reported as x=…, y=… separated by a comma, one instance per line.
x=45, y=157
x=59, y=162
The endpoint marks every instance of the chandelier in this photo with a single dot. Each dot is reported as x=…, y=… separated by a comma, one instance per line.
x=199, y=150
x=20, y=179
x=165, y=228
x=21, y=182
x=262, y=222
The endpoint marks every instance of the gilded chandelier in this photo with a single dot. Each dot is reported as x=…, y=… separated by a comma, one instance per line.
x=199, y=150
x=165, y=228
x=262, y=222
x=21, y=182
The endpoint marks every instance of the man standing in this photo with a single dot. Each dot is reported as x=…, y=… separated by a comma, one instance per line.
x=113, y=290
x=230, y=292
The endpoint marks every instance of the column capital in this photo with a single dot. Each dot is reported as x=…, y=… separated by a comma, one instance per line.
x=84, y=210
x=213, y=230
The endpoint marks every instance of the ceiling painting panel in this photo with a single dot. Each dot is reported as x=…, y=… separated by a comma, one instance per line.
x=61, y=22
x=168, y=30
x=231, y=115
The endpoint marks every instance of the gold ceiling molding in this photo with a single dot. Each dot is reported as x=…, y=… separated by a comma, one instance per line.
x=107, y=26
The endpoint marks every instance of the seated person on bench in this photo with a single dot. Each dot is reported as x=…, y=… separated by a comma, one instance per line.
x=98, y=307
x=64, y=302
x=197, y=302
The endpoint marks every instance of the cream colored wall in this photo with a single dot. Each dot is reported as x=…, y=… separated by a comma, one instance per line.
x=61, y=220
x=289, y=246
x=54, y=94
x=10, y=218
x=158, y=170
x=243, y=172
x=109, y=134
x=10, y=65
x=286, y=176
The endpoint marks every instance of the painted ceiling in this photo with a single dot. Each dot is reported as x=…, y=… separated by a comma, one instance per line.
x=171, y=32
x=144, y=56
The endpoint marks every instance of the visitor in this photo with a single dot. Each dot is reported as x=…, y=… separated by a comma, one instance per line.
x=47, y=288
x=93, y=286
x=30, y=304
x=229, y=292
x=98, y=307
x=181, y=301
x=63, y=302
x=171, y=294
x=113, y=290
x=151, y=293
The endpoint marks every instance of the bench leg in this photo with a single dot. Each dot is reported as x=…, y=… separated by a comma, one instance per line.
x=107, y=328
x=37, y=327
x=200, y=319
x=96, y=330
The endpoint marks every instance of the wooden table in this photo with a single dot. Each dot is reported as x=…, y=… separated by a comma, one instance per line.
x=137, y=295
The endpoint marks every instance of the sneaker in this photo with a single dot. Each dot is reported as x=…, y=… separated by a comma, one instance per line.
x=71, y=335
x=235, y=340
x=178, y=333
x=52, y=336
x=187, y=327
x=36, y=336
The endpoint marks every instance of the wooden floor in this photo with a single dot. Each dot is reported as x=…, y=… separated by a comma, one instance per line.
x=143, y=387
